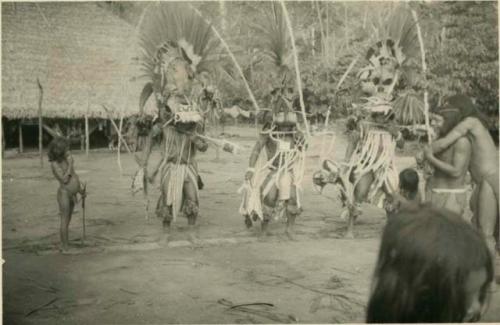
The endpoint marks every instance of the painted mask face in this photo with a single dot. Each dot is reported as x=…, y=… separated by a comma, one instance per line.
x=380, y=76
x=179, y=76
x=283, y=112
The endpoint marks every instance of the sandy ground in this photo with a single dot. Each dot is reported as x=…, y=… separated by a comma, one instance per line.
x=122, y=275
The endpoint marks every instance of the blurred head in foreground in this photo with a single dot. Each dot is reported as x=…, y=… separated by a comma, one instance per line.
x=432, y=267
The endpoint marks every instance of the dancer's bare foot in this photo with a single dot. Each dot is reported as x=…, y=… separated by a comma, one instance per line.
x=290, y=233
x=193, y=236
x=166, y=231
x=248, y=222
x=344, y=215
x=349, y=234
x=164, y=238
x=265, y=228
x=67, y=250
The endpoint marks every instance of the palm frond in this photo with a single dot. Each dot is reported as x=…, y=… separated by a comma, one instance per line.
x=409, y=109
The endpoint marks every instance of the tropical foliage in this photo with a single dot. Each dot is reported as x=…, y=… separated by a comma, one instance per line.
x=460, y=38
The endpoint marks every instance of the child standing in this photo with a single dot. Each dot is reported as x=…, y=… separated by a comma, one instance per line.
x=61, y=163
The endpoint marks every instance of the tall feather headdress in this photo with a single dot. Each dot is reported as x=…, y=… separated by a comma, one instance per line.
x=397, y=49
x=172, y=30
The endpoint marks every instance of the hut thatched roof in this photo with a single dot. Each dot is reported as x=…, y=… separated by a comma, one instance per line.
x=82, y=55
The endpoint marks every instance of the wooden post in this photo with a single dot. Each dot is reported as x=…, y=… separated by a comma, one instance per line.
x=40, y=123
x=3, y=137
x=21, y=149
x=424, y=71
x=87, y=136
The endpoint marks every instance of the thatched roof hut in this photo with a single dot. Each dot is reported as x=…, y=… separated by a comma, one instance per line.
x=82, y=55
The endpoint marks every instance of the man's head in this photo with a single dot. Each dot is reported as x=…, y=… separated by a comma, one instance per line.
x=432, y=267
x=465, y=107
x=445, y=120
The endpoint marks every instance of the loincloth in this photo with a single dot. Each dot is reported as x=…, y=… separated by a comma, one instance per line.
x=452, y=199
x=174, y=176
x=283, y=181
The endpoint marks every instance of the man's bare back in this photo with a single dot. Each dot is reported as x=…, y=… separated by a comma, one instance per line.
x=484, y=158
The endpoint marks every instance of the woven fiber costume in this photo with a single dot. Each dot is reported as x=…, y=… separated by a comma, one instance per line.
x=276, y=166
x=175, y=43
x=369, y=172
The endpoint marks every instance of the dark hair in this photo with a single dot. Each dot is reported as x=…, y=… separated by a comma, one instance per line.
x=351, y=123
x=408, y=181
x=57, y=149
x=425, y=259
x=466, y=107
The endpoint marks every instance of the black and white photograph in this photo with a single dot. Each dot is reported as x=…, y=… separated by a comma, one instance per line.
x=250, y=162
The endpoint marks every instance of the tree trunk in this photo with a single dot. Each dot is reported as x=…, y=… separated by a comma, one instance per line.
x=87, y=135
x=313, y=41
x=327, y=38
x=322, y=39
x=443, y=38
x=3, y=138
x=346, y=32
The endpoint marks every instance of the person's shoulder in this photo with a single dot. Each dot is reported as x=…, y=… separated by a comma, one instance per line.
x=463, y=142
x=472, y=121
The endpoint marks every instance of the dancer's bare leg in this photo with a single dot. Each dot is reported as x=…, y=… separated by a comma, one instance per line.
x=65, y=210
x=360, y=194
x=487, y=216
x=270, y=203
x=191, y=209
x=164, y=212
x=292, y=211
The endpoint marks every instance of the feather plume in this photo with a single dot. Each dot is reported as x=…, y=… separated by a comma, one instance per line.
x=177, y=24
x=276, y=43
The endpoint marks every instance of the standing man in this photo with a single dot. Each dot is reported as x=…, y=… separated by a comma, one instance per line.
x=174, y=44
x=483, y=166
x=447, y=184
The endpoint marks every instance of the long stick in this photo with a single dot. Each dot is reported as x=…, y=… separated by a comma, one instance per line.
x=119, y=134
x=226, y=47
x=424, y=71
x=40, y=122
x=83, y=210
x=118, y=156
x=296, y=62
